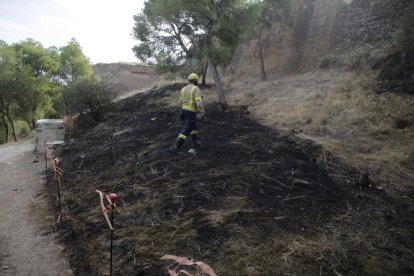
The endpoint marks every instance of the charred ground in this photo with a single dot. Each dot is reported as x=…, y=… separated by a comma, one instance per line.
x=255, y=201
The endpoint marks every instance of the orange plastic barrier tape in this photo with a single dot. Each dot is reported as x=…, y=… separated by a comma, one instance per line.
x=105, y=209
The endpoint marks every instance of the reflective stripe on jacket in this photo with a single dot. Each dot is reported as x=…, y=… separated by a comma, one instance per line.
x=190, y=99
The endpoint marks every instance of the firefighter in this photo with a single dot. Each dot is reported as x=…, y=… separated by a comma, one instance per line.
x=190, y=102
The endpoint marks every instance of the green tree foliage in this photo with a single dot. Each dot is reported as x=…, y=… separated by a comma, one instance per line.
x=89, y=97
x=83, y=92
x=165, y=64
x=74, y=64
x=38, y=68
x=165, y=28
x=8, y=72
x=227, y=28
x=40, y=61
x=32, y=81
x=181, y=31
x=221, y=34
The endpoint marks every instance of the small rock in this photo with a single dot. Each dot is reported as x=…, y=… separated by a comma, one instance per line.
x=5, y=267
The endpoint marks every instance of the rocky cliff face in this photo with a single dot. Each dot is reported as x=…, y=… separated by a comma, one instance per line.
x=326, y=33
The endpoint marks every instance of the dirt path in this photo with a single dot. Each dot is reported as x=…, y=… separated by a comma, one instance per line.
x=25, y=248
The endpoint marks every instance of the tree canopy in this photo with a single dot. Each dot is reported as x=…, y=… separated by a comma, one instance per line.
x=73, y=63
x=35, y=82
x=188, y=34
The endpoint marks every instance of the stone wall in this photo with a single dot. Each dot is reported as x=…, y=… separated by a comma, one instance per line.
x=324, y=28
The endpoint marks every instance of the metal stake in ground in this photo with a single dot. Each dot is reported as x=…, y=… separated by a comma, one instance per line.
x=112, y=197
x=47, y=179
x=57, y=179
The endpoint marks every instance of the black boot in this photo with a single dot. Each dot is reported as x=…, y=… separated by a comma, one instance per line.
x=196, y=141
x=177, y=145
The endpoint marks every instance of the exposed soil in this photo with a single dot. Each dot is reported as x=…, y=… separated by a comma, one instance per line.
x=27, y=241
x=255, y=201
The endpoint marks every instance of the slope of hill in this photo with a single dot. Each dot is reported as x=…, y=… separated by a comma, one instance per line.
x=310, y=172
x=256, y=201
x=128, y=76
x=326, y=73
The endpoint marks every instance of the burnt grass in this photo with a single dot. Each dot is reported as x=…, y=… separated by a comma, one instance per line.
x=255, y=201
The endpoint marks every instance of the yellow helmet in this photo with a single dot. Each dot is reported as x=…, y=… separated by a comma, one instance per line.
x=193, y=77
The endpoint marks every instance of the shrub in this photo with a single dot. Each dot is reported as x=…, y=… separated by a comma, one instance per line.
x=91, y=97
x=169, y=76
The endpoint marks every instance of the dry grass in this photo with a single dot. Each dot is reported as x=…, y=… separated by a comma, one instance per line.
x=340, y=110
x=337, y=108
x=143, y=89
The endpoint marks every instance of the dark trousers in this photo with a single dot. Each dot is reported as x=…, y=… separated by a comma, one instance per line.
x=190, y=127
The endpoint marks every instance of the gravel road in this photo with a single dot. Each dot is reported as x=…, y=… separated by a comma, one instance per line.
x=26, y=247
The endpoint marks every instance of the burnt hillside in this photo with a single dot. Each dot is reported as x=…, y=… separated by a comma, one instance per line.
x=336, y=75
x=256, y=201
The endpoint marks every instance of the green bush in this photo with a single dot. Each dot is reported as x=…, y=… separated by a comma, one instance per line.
x=169, y=76
x=90, y=97
x=24, y=132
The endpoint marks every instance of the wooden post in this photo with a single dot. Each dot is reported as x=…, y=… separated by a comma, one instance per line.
x=47, y=178
x=112, y=238
x=58, y=188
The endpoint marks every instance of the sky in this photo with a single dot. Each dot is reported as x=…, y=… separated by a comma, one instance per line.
x=102, y=27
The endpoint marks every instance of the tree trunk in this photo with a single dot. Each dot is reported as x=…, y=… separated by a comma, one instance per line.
x=6, y=127
x=30, y=124
x=213, y=68
x=13, y=128
x=217, y=81
x=177, y=34
x=260, y=47
x=11, y=123
x=3, y=117
x=203, y=82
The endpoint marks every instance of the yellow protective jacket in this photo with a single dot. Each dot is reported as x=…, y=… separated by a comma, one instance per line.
x=190, y=99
